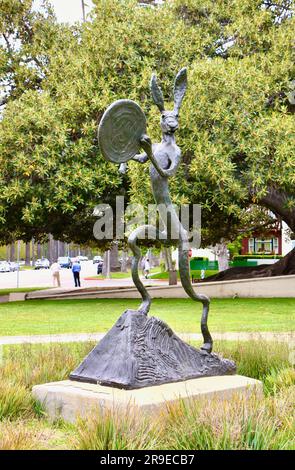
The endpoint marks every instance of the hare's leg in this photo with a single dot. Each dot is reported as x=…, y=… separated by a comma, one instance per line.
x=141, y=233
x=186, y=283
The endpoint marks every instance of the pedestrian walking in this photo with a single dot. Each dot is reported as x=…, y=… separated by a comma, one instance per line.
x=76, y=268
x=55, y=269
x=147, y=268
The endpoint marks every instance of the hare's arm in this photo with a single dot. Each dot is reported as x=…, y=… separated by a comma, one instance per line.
x=141, y=157
x=173, y=167
x=147, y=146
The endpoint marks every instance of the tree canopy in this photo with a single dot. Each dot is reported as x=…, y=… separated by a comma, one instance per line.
x=236, y=123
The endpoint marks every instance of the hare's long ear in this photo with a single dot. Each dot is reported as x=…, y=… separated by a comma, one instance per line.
x=157, y=93
x=180, y=86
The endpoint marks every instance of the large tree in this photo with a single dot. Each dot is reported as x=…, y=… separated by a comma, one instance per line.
x=236, y=124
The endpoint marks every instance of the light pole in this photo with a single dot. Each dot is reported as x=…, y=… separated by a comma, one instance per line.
x=83, y=11
x=18, y=257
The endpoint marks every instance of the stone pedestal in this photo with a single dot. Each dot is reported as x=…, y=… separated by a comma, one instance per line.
x=69, y=399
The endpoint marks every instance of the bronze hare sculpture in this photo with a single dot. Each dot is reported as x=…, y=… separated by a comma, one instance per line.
x=165, y=158
x=140, y=350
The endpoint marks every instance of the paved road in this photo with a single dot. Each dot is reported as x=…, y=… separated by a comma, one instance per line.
x=43, y=278
x=81, y=337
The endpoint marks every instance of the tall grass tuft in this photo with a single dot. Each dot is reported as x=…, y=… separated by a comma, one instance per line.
x=17, y=436
x=241, y=423
x=15, y=401
x=32, y=364
x=255, y=358
x=115, y=430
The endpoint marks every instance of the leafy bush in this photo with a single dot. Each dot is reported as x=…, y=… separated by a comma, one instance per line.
x=250, y=256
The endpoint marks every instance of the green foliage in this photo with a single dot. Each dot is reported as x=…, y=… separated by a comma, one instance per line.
x=257, y=359
x=14, y=401
x=250, y=256
x=261, y=422
x=237, y=123
x=278, y=379
x=114, y=430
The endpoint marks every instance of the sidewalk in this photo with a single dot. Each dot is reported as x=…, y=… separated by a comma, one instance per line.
x=81, y=337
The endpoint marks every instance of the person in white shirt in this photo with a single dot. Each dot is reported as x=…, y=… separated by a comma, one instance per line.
x=55, y=269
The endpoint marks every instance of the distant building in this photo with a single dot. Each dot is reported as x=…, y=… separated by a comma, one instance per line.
x=275, y=241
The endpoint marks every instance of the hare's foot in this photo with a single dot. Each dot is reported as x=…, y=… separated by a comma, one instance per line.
x=144, y=309
x=207, y=347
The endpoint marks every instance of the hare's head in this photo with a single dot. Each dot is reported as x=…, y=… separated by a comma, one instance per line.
x=169, y=119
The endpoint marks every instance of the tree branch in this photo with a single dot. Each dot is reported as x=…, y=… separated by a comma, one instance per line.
x=276, y=201
x=7, y=42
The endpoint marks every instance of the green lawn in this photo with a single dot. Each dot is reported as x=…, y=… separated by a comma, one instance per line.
x=21, y=289
x=195, y=273
x=183, y=315
x=120, y=275
x=156, y=274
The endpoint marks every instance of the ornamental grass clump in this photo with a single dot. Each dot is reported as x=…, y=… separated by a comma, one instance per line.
x=32, y=364
x=15, y=401
x=256, y=358
x=16, y=435
x=239, y=423
x=116, y=430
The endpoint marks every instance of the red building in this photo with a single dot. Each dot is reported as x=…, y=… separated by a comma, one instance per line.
x=268, y=242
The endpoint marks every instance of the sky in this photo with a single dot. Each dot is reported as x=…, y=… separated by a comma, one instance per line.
x=68, y=11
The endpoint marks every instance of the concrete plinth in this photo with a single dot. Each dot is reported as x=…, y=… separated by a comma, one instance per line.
x=69, y=399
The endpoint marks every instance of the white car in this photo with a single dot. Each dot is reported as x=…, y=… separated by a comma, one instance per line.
x=42, y=263
x=4, y=267
x=82, y=258
x=97, y=259
x=13, y=266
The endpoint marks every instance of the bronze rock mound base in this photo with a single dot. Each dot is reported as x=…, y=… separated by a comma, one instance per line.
x=141, y=351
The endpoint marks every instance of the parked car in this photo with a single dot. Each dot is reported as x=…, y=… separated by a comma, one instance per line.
x=42, y=263
x=4, y=267
x=13, y=266
x=65, y=262
x=96, y=259
x=82, y=258
x=99, y=267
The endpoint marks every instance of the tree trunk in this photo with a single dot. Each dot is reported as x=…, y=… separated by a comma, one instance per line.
x=39, y=250
x=285, y=266
x=51, y=248
x=124, y=262
x=106, y=269
x=33, y=252
x=114, y=259
x=277, y=202
x=12, y=252
x=222, y=256
x=164, y=252
x=168, y=259
x=28, y=254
